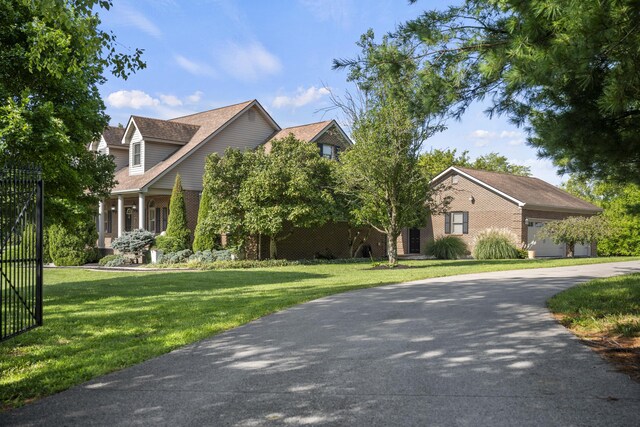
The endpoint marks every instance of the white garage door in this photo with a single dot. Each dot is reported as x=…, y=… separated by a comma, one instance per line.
x=543, y=247
x=582, y=250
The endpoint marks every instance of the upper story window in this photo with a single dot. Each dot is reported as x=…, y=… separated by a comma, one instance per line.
x=329, y=151
x=136, y=153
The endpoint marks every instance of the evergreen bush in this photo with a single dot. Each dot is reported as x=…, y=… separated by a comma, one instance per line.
x=133, y=243
x=112, y=261
x=204, y=237
x=68, y=248
x=494, y=243
x=446, y=247
x=177, y=223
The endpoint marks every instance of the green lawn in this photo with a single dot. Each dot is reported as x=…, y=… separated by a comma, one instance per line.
x=98, y=322
x=605, y=306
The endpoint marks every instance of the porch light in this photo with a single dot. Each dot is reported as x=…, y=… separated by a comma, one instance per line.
x=113, y=207
x=134, y=207
x=472, y=200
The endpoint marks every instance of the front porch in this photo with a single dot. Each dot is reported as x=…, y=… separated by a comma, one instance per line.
x=129, y=211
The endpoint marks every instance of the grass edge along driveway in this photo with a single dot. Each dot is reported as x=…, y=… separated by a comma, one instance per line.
x=96, y=322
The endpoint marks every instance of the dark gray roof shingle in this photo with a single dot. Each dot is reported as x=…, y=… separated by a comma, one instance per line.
x=165, y=130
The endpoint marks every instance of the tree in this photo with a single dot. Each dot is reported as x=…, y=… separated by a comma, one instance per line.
x=436, y=161
x=567, y=70
x=53, y=57
x=288, y=187
x=380, y=173
x=621, y=204
x=576, y=229
x=223, y=179
x=178, y=232
x=204, y=237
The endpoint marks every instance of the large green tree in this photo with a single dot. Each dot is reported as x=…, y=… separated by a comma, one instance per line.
x=223, y=178
x=53, y=57
x=380, y=173
x=291, y=186
x=621, y=204
x=569, y=71
x=435, y=161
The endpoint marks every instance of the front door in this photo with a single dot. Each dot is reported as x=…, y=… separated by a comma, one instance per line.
x=414, y=240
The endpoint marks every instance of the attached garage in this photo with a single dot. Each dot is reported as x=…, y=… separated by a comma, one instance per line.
x=521, y=204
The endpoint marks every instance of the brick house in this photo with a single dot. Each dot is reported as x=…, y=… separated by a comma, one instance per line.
x=482, y=199
x=149, y=153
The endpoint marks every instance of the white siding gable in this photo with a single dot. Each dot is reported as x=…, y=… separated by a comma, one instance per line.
x=246, y=132
x=135, y=138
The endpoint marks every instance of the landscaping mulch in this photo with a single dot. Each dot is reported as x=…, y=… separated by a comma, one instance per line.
x=622, y=352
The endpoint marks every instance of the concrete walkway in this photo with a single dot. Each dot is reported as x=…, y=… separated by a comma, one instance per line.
x=469, y=350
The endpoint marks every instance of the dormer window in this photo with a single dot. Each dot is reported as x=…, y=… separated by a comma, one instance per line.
x=328, y=151
x=136, y=153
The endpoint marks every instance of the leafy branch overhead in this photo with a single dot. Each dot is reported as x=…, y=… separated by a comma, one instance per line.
x=569, y=72
x=53, y=57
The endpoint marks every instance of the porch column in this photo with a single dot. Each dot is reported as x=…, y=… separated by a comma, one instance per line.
x=120, y=214
x=101, y=224
x=141, y=211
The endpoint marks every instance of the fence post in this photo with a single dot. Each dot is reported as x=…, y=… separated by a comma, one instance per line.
x=39, y=241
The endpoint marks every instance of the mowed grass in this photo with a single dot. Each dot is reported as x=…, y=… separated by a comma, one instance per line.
x=96, y=322
x=601, y=307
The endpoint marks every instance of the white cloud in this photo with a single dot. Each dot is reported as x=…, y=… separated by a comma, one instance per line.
x=301, y=98
x=480, y=133
x=132, y=17
x=135, y=99
x=510, y=134
x=248, y=62
x=195, y=68
x=338, y=11
x=195, y=97
x=170, y=100
x=515, y=141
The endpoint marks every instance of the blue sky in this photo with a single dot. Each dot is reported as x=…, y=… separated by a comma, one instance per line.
x=204, y=54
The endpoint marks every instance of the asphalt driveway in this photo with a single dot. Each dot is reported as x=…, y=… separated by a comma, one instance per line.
x=467, y=350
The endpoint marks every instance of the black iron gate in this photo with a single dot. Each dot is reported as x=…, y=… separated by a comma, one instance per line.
x=21, y=196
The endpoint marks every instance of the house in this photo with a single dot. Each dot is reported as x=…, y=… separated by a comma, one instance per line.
x=482, y=199
x=149, y=153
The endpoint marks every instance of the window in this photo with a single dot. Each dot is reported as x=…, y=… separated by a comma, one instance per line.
x=108, y=221
x=326, y=151
x=151, y=226
x=456, y=223
x=165, y=216
x=128, y=214
x=136, y=154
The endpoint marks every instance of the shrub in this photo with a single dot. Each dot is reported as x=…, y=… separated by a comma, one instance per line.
x=168, y=244
x=177, y=222
x=69, y=248
x=446, y=247
x=203, y=257
x=133, y=242
x=112, y=261
x=176, y=257
x=495, y=243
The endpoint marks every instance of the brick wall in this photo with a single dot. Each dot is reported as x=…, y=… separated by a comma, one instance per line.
x=331, y=238
x=192, y=203
x=487, y=210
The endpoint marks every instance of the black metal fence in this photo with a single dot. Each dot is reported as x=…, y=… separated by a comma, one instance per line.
x=21, y=197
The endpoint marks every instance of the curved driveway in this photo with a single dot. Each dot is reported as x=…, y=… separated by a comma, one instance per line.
x=469, y=350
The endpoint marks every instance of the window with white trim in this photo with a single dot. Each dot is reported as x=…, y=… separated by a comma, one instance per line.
x=136, y=153
x=151, y=226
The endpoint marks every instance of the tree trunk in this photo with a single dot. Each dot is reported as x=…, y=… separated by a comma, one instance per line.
x=392, y=249
x=273, y=250
x=571, y=247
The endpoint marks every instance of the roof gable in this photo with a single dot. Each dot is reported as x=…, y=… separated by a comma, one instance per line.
x=112, y=136
x=525, y=191
x=164, y=130
x=312, y=131
x=209, y=123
